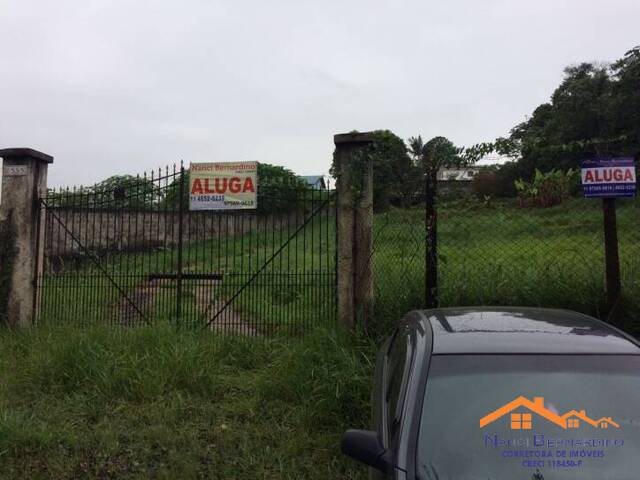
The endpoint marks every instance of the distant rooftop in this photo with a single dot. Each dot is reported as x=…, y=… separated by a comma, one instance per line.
x=317, y=182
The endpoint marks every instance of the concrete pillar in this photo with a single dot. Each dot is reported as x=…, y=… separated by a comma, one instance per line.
x=355, y=282
x=24, y=181
x=363, y=246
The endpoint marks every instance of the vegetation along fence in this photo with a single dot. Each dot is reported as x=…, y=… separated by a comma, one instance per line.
x=132, y=253
x=507, y=252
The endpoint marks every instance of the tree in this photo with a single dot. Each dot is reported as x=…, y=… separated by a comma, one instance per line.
x=625, y=109
x=126, y=191
x=395, y=178
x=437, y=153
x=117, y=191
x=595, y=111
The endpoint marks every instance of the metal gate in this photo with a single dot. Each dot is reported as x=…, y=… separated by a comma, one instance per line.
x=129, y=252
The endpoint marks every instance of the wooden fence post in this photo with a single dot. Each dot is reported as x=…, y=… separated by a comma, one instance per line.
x=24, y=181
x=354, y=225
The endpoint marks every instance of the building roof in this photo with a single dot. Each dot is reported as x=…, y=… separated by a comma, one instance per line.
x=523, y=330
x=313, y=179
x=457, y=174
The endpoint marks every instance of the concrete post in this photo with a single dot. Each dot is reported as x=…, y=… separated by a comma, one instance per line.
x=363, y=246
x=354, y=272
x=24, y=180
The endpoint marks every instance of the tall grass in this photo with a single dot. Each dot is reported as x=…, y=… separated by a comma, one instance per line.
x=156, y=402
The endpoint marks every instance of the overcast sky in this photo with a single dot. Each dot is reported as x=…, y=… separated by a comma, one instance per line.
x=112, y=87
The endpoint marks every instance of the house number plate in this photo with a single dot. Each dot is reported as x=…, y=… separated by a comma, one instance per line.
x=14, y=170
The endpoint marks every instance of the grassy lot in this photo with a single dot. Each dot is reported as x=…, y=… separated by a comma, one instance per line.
x=280, y=278
x=156, y=403
x=489, y=254
x=499, y=254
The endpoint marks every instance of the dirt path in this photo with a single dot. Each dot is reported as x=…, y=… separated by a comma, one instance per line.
x=229, y=320
x=140, y=300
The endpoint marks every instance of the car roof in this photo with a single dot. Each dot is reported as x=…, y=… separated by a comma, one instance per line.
x=485, y=330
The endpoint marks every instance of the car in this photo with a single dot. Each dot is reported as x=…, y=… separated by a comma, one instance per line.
x=503, y=394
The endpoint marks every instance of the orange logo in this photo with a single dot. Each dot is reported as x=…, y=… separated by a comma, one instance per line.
x=522, y=412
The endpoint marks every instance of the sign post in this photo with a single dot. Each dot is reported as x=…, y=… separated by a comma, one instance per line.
x=223, y=186
x=610, y=179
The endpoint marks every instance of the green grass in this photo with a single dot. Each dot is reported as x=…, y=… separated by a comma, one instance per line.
x=156, y=403
x=161, y=402
x=495, y=254
x=281, y=279
x=503, y=255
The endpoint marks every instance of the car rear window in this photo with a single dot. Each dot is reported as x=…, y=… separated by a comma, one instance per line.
x=522, y=417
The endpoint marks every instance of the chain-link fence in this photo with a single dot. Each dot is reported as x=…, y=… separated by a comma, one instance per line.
x=495, y=252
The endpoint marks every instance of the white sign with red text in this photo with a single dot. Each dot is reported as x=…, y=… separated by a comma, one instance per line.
x=223, y=186
x=609, y=178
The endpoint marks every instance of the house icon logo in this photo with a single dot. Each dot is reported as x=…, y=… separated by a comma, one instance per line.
x=523, y=412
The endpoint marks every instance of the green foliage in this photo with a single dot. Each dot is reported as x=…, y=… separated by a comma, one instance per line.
x=327, y=378
x=130, y=191
x=437, y=153
x=8, y=250
x=279, y=189
x=546, y=189
x=506, y=255
x=594, y=112
x=430, y=157
x=123, y=191
x=161, y=403
x=395, y=177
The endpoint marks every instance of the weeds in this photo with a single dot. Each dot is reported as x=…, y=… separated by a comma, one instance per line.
x=156, y=402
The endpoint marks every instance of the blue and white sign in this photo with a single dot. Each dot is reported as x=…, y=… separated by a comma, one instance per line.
x=609, y=178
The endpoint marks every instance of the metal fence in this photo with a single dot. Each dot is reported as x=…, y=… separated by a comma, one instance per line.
x=494, y=252
x=134, y=254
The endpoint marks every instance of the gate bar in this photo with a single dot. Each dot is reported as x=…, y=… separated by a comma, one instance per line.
x=93, y=259
x=180, y=232
x=266, y=263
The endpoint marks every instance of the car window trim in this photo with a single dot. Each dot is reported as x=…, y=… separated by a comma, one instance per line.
x=407, y=366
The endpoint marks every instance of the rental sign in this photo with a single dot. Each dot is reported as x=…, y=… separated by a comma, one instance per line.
x=609, y=178
x=223, y=186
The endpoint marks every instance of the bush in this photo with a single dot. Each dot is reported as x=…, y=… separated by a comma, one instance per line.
x=279, y=189
x=546, y=189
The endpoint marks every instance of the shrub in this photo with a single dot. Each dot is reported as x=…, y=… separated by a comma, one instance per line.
x=546, y=189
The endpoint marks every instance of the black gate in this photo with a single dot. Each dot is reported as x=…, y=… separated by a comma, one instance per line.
x=130, y=252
